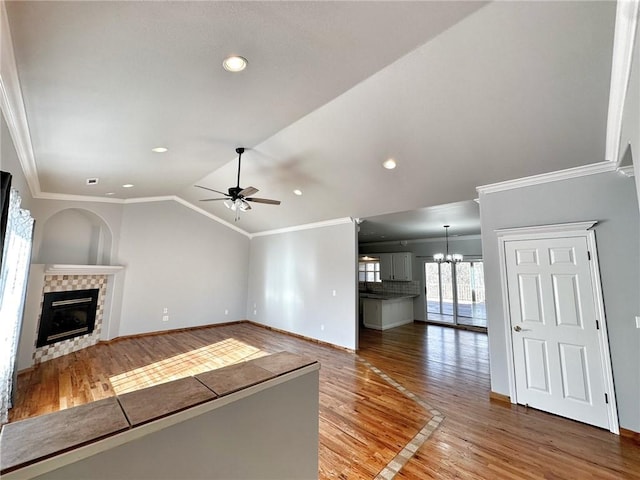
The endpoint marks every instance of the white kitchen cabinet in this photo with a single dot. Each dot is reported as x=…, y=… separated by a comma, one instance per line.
x=396, y=266
x=372, y=313
x=386, y=266
x=382, y=314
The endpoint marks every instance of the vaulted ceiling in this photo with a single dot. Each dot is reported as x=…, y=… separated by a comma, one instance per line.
x=461, y=94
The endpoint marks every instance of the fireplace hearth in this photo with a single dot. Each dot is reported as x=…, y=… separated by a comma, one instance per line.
x=67, y=315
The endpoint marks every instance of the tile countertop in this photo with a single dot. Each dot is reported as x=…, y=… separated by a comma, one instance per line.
x=28, y=441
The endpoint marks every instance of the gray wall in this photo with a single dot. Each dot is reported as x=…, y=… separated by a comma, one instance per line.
x=610, y=199
x=272, y=434
x=423, y=250
x=181, y=260
x=292, y=277
x=59, y=239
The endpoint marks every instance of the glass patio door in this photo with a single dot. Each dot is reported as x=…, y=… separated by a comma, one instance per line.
x=439, y=283
x=455, y=293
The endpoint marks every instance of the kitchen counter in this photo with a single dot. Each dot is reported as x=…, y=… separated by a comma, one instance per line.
x=386, y=296
x=385, y=311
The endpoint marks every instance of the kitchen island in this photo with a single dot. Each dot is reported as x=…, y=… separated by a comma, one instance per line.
x=381, y=312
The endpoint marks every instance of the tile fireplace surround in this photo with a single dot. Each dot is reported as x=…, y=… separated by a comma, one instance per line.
x=66, y=283
x=64, y=278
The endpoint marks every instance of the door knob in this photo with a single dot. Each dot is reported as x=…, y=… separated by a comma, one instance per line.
x=517, y=328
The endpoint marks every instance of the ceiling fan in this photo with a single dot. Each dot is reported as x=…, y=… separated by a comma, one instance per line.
x=238, y=198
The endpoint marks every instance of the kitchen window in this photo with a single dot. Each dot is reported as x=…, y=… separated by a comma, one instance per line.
x=369, y=271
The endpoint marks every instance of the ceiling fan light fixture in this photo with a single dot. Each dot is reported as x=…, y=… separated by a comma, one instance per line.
x=230, y=204
x=234, y=63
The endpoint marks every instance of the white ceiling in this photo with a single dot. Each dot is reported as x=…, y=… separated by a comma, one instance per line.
x=462, y=217
x=460, y=93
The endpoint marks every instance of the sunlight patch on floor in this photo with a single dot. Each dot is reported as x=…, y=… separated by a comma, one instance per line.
x=209, y=357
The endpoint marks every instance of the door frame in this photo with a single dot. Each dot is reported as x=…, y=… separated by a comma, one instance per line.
x=562, y=230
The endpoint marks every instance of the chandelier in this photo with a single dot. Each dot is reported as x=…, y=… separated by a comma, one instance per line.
x=447, y=257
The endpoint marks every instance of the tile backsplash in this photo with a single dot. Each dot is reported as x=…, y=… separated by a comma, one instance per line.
x=404, y=288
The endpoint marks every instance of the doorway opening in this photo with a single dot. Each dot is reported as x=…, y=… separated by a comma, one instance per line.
x=455, y=294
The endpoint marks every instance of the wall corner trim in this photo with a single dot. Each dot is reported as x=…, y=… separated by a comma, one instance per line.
x=623, y=40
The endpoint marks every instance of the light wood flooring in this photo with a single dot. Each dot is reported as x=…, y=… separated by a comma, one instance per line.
x=364, y=420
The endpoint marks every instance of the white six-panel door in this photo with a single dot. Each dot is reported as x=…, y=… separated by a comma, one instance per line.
x=557, y=356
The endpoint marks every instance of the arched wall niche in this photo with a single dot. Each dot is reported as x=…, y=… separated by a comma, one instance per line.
x=76, y=236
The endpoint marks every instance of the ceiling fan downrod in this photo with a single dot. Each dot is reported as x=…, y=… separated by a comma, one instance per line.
x=239, y=151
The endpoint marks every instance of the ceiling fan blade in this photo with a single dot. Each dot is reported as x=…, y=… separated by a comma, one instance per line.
x=263, y=200
x=248, y=191
x=212, y=190
x=211, y=199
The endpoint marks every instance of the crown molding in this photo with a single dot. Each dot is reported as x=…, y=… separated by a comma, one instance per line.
x=12, y=105
x=199, y=210
x=67, y=197
x=627, y=171
x=623, y=40
x=575, y=172
x=182, y=201
x=306, y=226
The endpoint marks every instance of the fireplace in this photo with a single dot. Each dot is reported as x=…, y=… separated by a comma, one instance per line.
x=67, y=315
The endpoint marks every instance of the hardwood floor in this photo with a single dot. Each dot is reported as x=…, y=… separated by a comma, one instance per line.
x=365, y=420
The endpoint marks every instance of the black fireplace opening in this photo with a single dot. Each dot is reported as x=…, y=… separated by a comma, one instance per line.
x=67, y=315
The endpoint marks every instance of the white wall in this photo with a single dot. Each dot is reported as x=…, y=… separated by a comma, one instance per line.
x=292, y=277
x=609, y=198
x=423, y=250
x=178, y=259
x=9, y=163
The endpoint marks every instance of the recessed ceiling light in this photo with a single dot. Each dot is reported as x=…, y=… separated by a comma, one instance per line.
x=159, y=149
x=297, y=192
x=389, y=164
x=110, y=193
x=127, y=185
x=234, y=63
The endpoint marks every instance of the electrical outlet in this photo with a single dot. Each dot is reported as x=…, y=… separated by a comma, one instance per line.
x=322, y=327
x=334, y=293
x=165, y=318
x=165, y=310
x=255, y=312
x=226, y=311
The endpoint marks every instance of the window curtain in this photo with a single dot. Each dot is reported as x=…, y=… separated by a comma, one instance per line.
x=13, y=285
